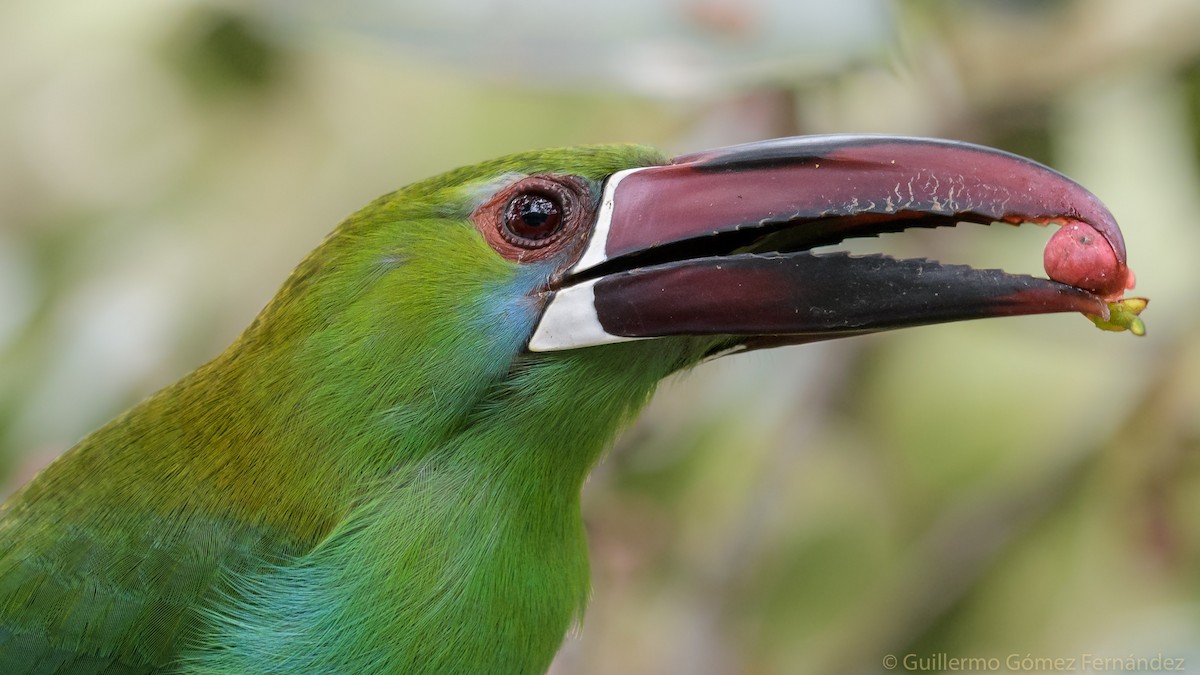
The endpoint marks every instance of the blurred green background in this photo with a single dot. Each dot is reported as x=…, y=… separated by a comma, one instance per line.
x=1025, y=487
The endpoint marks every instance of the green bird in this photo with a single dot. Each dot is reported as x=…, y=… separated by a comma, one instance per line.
x=382, y=473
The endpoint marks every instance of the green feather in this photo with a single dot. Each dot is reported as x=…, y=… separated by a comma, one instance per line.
x=374, y=477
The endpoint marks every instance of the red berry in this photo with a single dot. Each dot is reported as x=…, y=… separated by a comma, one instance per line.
x=1078, y=255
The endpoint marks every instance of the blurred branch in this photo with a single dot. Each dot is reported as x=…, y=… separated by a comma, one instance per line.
x=1012, y=60
x=723, y=578
x=949, y=564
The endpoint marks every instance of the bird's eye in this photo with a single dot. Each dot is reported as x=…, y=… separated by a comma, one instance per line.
x=537, y=217
x=532, y=219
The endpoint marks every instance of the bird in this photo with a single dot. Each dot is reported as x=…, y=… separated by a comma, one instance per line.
x=382, y=473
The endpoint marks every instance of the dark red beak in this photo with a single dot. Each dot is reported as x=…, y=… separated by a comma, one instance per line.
x=720, y=243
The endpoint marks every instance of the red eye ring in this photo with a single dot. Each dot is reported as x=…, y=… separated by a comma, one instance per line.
x=537, y=217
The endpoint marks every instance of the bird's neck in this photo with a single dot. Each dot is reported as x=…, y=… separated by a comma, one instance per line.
x=470, y=558
x=449, y=568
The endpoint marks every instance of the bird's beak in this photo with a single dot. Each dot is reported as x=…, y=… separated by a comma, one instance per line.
x=720, y=243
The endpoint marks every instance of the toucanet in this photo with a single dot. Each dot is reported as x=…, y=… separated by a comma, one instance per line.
x=382, y=473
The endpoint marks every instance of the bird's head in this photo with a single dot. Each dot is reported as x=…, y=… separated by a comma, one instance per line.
x=578, y=278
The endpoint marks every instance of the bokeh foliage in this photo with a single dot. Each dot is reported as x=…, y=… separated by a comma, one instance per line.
x=1023, y=486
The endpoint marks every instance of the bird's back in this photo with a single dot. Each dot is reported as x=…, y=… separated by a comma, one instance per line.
x=109, y=562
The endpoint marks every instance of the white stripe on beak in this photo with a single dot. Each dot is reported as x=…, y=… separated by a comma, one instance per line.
x=595, y=252
x=569, y=321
